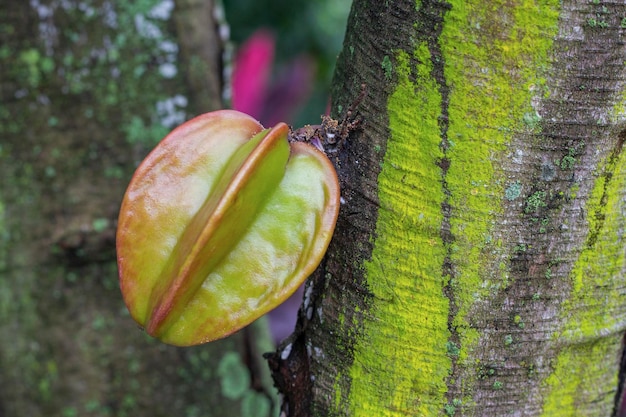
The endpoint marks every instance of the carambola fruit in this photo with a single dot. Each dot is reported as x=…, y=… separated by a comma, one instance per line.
x=221, y=223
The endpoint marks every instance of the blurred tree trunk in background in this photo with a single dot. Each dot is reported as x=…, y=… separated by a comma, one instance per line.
x=86, y=89
x=478, y=265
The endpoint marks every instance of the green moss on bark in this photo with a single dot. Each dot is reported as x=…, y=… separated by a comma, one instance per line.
x=458, y=101
x=405, y=271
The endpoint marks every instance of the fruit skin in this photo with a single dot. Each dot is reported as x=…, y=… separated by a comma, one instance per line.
x=221, y=223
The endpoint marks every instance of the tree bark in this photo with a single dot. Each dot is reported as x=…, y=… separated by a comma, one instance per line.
x=477, y=267
x=201, y=52
x=87, y=88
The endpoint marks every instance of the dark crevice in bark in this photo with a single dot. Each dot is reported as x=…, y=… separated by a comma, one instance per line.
x=600, y=213
x=619, y=409
x=431, y=24
x=290, y=371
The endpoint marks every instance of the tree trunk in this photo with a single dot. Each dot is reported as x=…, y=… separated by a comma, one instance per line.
x=477, y=268
x=86, y=88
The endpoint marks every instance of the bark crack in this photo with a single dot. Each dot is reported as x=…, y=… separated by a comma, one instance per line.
x=432, y=16
x=619, y=408
x=600, y=213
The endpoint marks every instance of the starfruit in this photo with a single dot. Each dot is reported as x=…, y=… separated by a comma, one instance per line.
x=221, y=223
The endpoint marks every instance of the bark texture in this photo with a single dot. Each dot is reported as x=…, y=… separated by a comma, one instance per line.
x=478, y=264
x=87, y=88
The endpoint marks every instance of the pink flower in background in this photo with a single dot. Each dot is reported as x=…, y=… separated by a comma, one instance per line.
x=254, y=92
x=251, y=75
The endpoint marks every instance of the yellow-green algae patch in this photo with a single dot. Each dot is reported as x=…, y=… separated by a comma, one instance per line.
x=493, y=61
x=589, y=361
x=401, y=366
x=495, y=58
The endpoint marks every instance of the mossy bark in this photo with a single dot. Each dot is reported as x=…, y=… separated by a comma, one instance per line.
x=478, y=264
x=87, y=88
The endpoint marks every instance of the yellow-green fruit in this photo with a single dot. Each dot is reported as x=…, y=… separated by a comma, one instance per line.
x=220, y=224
